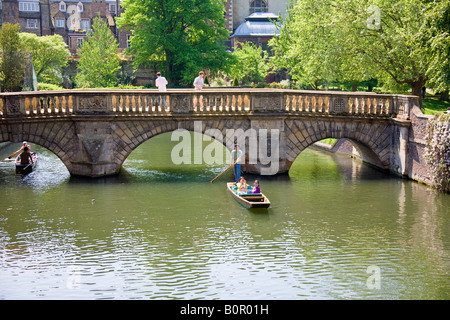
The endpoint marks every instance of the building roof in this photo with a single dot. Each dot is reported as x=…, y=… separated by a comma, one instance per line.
x=258, y=24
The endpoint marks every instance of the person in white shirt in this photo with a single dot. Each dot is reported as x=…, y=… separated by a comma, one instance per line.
x=198, y=84
x=161, y=84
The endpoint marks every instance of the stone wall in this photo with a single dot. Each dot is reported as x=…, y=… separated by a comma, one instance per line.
x=417, y=167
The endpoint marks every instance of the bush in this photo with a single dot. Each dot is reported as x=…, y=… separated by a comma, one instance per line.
x=48, y=86
x=438, y=151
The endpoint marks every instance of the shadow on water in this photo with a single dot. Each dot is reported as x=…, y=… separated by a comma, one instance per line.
x=310, y=166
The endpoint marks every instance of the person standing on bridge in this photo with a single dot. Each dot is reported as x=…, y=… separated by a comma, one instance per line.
x=198, y=84
x=236, y=157
x=161, y=83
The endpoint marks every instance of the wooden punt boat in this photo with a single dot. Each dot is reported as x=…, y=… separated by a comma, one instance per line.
x=26, y=168
x=255, y=200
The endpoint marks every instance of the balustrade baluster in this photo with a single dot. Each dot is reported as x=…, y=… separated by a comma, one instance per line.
x=61, y=107
x=373, y=106
x=294, y=102
x=56, y=108
x=144, y=101
x=302, y=103
x=316, y=104
x=288, y=102
x=355, y=106
x=385, y=107
x=377, y=107
x=47, y=105
x=120, y=103
x=26, y=102
x=226, y=103
x=124, y=103
x=53, y=109
x=323, y=107
x=33, y=106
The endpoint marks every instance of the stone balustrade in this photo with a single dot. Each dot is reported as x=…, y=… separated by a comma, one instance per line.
x=215, y=101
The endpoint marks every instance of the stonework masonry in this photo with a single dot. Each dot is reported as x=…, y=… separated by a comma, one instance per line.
x=94, y=131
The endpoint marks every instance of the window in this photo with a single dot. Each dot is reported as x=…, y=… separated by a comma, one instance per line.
x=128, y=40
x=85, y=24
x=112, y=7
x=32, y=23
x=80, y=7
x=29, y=6
x=258, y=6
x=62, y=6
x=59, y=23
x=79, y=42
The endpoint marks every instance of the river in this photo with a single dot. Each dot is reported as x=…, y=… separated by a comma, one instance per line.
x=336, y=229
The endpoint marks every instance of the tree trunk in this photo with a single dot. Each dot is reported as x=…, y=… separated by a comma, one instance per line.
x=354, y=85
x=417, y=90
x=444, y=96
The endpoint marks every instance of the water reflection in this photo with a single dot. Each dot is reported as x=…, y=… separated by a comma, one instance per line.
x=165, y=232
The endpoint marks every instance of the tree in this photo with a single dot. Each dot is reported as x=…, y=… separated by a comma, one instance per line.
x=310, y=47
x=347, y=38
x=13, y=61
x=50, y=55
x=250, y=65
x=180, y=37
x=436, y=36
x=99, y=61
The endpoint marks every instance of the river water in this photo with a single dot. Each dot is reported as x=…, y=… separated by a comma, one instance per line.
x=336, y=229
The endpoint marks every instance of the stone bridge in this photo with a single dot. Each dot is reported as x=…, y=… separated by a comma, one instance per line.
x=94, y=131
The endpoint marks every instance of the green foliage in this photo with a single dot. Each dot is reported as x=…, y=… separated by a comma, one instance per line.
x=433, y=106
x=48, y=86
x=99, y=61
x=50, y=55
x=438, y=151
x=13, y=59
x=356, y=40
x=180, y=37
x=250, y=65
x=435, y=34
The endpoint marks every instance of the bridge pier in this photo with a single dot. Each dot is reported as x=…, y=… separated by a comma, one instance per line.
x=95, y=156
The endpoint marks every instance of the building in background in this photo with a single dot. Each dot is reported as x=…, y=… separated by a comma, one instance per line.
x=251, y=20
x=71, y=19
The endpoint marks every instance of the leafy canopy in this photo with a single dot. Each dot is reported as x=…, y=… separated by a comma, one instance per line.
x=13, y=59
x=99, y=61
x=250, y=64
x=180, y=37
x=49, y=54
x=354, y=39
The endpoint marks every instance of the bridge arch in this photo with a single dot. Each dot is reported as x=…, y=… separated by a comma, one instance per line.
x=131, y=134
x=372, y=141
x=55, y=136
